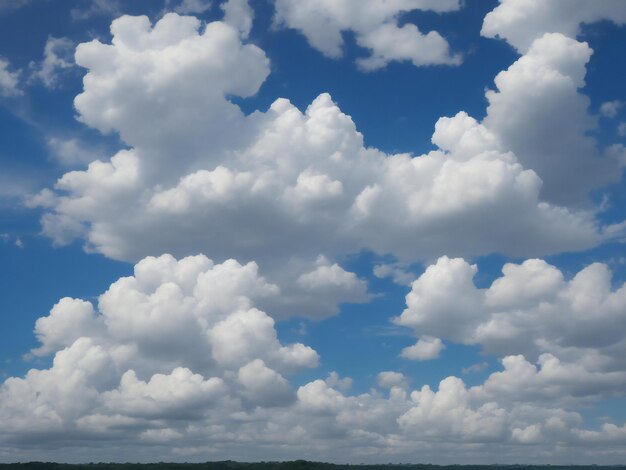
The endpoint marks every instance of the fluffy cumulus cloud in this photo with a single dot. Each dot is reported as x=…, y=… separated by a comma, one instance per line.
x=557, y=337
x=426, y=348
x=519, y=22
x=375, y=26
x=177, y=359
x=176, y=340
x=197, y=180
x=539, y=114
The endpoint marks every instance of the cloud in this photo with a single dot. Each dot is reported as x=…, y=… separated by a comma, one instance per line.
x=238, y=14
x=390, y=379
x=609, y=109
x=425, y=349
x=447, y=412
x=96, y=8
x=58, y=59
x=335, y=381
x=396, y=271
x=177, y=355
x=573, y=328
x=520, y=22
x=178, y=395
x=206, y=171
x=550, y=380
x=9, y=80
x=375, y=26
x=72, y=151
x=174, y=339
x=190, y=7
x=538, y=113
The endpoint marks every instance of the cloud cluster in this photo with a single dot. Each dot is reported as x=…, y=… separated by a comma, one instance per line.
x=168, y=343
x=375, y=27
x=178, y=359
x=574, y=329
x=283, y=187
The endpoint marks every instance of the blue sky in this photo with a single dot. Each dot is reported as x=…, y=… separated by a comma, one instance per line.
x=428, y=234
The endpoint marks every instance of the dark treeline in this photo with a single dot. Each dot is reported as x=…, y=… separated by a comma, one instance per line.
x=294, y=465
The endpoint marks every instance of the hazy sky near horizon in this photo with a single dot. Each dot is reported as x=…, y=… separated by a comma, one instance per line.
x=338, y=230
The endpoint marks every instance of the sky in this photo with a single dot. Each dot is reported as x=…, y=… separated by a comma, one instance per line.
x=338, y=230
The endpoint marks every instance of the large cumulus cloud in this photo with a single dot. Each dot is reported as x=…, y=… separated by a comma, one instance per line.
x=170, y=342
x=558, y=338
x=284, y=187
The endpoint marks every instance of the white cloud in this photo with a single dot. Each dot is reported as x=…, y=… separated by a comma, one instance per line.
x=375, y=26
x=477, y=367
x=396, y=271
x=574, y=328
x=178, y=395
x=176, y=356
x=448, y=412
x=264, y=386
x=238, y=14
x=71, y=151
x=69, y=320
x=390, y=379
x=167, y=343
x=335, y=381
x=9, y=80
x=538, y=113
x=609, y=109
x=551, y=380
x=426, y=348
x=207, y=168
x=58, y=58
x=520, y=22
